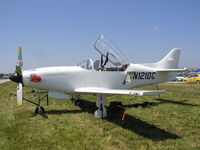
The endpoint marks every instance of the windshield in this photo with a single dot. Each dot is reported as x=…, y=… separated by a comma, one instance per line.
x=107, y=48
x=86, y=64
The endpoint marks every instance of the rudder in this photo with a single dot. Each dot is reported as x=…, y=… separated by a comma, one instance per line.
x=171, y=60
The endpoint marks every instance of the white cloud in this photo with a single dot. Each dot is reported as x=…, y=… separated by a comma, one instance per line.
x=156, y=28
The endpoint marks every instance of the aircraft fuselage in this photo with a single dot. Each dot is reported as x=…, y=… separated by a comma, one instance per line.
x=67, y=79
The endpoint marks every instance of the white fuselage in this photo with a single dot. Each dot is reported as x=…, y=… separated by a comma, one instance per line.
x=67, y=79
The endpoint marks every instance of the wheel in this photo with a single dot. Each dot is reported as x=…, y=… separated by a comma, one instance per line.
x=198, y=82
x=39, y=110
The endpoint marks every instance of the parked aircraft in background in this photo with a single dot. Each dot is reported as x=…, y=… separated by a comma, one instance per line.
x=94, y=77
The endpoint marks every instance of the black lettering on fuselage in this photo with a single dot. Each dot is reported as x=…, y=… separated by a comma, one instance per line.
x=143, y=75
x=153, y=75
x=135, y=75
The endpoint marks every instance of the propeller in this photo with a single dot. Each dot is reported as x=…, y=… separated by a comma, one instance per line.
x=18, y=76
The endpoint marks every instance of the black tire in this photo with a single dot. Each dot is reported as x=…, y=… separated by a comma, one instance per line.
x=198, y=82
x=39, y=110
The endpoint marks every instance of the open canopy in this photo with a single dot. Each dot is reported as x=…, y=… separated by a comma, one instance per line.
x=108, y=49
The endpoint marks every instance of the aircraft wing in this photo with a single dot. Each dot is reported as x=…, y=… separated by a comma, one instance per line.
x=118, y=91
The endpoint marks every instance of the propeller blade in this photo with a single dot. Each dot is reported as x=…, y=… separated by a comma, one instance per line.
x=19, y=93
x=19, y=70
x=19, y=64
x=18, y=76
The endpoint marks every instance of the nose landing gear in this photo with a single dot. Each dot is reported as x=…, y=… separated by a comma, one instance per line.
x=39, y=109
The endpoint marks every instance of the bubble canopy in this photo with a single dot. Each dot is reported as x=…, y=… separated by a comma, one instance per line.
x=106, y=47
x=86, y=64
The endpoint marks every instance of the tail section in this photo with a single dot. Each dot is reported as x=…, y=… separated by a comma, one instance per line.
x=171, y=60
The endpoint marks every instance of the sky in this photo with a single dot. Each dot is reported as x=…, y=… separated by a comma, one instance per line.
x=62, y=32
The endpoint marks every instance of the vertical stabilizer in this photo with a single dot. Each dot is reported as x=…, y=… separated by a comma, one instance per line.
x=171, y=60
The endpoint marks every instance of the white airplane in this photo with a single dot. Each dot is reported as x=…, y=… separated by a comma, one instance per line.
x=92, y=77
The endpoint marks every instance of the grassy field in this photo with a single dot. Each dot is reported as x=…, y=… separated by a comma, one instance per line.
x=173, y=123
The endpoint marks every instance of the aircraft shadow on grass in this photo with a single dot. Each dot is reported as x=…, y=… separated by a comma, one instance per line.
x=131, y=123
x=175, y=102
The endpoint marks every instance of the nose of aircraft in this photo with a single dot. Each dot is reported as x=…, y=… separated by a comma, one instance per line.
x=15, y=78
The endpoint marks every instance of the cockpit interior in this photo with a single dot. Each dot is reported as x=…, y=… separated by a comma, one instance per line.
x=111, y=57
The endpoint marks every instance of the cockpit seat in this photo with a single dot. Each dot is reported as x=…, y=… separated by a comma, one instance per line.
x=96, y=64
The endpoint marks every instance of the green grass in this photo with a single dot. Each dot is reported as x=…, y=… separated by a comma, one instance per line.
x=173, y=124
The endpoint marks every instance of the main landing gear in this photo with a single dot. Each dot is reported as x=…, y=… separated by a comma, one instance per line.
x=101, y=112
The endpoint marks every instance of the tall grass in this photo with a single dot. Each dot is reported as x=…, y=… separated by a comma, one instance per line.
x=173, y=123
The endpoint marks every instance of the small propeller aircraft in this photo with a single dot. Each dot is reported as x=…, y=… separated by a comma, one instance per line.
x=93, y=77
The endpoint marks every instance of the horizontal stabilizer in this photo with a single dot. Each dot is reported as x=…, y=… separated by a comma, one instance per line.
x=118, y=91
x=172, y=70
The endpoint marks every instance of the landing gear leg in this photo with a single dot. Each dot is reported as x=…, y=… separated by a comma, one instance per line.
x=39, y=109
x=101, y=112
x=157, y=89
